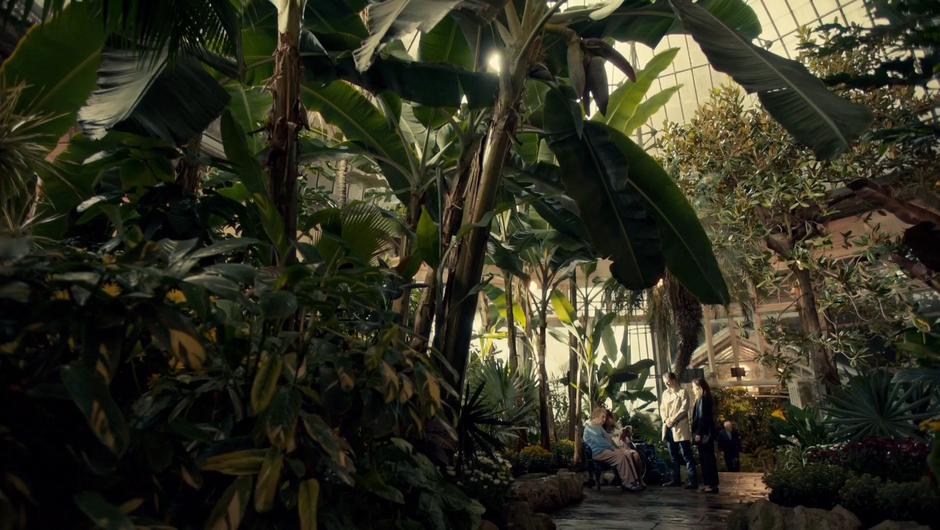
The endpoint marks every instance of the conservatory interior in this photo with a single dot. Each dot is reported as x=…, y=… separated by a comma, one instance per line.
x=469, y=264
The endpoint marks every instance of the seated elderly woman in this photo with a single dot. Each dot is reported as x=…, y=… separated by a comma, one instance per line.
x=626, y=442
x=604, y=449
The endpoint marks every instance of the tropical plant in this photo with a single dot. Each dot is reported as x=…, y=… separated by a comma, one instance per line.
x=219, y=367
x=283, y=357
x=871, y=405
x=511, y=394
x=895, y=459
x=802, y=427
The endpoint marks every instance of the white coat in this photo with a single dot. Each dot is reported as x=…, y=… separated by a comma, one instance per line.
x=674, y=410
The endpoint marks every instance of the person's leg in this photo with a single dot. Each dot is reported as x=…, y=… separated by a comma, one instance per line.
x=676, y=459
x=736, y=462
x=686, y=449
x=638, y=464
x=676, y=462
x=621, y=461
x=706, y=453
x=729, y=460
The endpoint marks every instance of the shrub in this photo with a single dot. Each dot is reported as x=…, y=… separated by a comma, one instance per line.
x=563, y=453
x=909, y=501
x=487, y=479
x=899, y=460
x=859, y=495
x=535, y=459
x=813, y=485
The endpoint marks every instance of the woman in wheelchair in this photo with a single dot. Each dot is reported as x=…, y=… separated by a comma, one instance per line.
x=605, y=450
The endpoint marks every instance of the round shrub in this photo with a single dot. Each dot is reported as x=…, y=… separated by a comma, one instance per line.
x=909, y=501
x=563, y=453
x=813, y=485
x=859, y=495
x=535, y=459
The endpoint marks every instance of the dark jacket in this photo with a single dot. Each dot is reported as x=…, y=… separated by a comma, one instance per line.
x=729, y=442
x=703, y=418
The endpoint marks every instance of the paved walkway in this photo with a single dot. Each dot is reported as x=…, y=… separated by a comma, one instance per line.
x=661, y=508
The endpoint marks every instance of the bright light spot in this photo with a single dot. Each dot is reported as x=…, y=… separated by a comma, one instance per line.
x=494, y=63
x=660, y=283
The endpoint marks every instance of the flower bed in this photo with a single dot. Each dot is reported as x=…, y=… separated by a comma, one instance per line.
x=896, y=487
x=890, y=459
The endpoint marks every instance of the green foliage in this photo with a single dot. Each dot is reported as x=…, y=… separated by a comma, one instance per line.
x=894, y=459
x=787, y=90
x=909, y=501
x=751, y=416
x=859, y=495
x=562, y=453
x=873, y=405
x=487, y=479
x=534, y=459
x=23, y=148
x=801, y=427
x=225, y=392
x=499, y=406
x=813, y=485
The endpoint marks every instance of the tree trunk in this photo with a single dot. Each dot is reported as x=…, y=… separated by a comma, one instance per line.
x=425, y=314
x=544, y=427
x=287, y=118
x=827, y=377
x=460, y=300
x=188, y=169
x=511, y=326
x=573, y=368
x=823, y=363
x=686, y=314
x=402, y=305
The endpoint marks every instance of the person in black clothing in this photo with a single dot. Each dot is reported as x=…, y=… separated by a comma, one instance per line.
x=729, y=442
x=704, y=432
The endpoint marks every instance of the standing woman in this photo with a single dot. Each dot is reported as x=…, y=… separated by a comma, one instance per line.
x=704, y=432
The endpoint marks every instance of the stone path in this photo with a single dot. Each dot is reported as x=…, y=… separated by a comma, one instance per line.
x=661, y=508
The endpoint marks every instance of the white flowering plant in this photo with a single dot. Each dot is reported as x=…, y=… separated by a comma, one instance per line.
x=486, y=477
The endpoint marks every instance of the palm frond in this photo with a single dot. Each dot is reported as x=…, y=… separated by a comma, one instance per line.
x=177, y=26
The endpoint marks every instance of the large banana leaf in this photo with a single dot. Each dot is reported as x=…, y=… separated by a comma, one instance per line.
x=391, y=18
x=250, y=106
x=362, y=122
x=594, y=173
x=648, y=22
x=336, y=24
x=174, y=102
x=645, y=110
x=685, y=244
x=790, y=93
x=445, y=43
x=57, y=62
x=626, y=99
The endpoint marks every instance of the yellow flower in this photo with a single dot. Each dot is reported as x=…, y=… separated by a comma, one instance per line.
x=61, y=294
x=779, y=414
x=211, y=335
x=932, y=425
x=111, y=289
x=176, y=296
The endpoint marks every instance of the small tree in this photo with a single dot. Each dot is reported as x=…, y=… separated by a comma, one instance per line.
x=766, y=202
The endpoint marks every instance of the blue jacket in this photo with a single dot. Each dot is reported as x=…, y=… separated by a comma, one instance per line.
x=597, y=439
